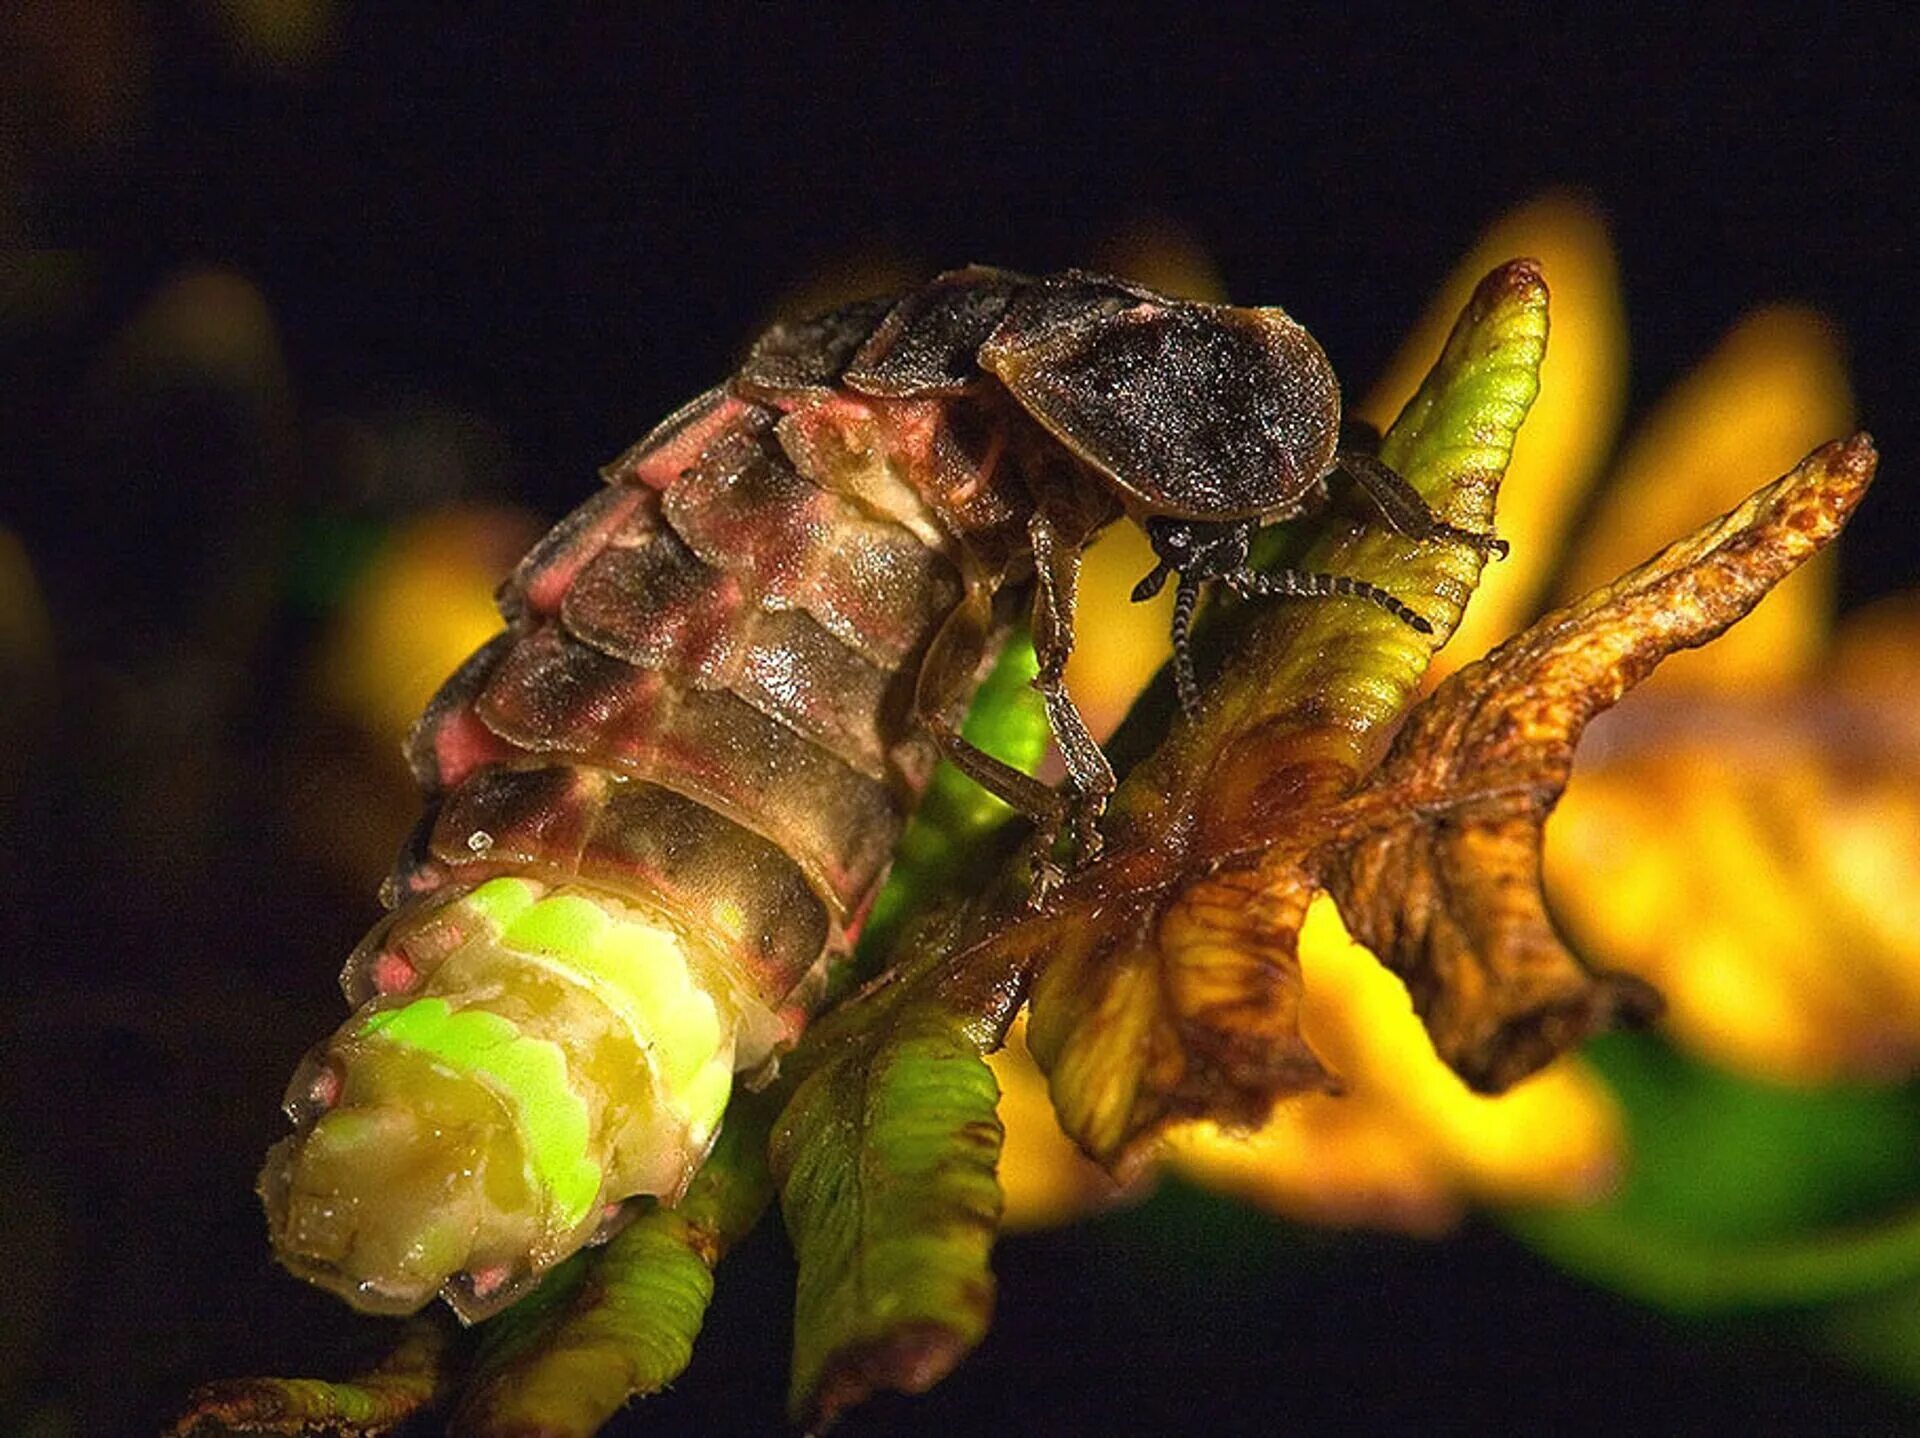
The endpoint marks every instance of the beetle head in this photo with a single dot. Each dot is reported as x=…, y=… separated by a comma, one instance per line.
x=1200, y=550
x=1190, y=411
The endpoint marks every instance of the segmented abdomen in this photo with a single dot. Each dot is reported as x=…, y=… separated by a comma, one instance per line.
x=659, y=805
x=703, y=702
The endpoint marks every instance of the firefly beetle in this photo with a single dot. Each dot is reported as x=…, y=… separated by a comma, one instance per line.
x=660, y=803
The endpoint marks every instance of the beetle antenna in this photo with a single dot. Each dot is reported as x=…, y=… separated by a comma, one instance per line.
x=1184, y=680
x=1300, y=584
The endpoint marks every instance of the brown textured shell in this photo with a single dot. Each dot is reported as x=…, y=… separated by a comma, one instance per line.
x=721, y=673
x=702, y=702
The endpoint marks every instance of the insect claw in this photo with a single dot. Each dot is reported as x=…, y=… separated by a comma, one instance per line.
x=1047, y=876
x=1491, y=545
x=1083, y=823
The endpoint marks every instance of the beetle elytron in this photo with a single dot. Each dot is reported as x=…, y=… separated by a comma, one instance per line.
x=661, y=801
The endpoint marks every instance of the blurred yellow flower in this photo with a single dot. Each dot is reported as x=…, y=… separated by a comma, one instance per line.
x=423, y=604
x=1408, y=1139
x=1758, y=857
x=1774, y=389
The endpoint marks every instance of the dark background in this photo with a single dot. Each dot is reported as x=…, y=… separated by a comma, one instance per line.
x=559, y=229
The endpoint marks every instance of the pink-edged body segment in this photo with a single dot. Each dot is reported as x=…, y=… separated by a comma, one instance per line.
x=699, y=723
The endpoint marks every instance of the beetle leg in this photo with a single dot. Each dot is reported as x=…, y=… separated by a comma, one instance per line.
x=1154, y=582
x=1056, y=564
x=946, y=675
x=1045, y=808
x=1033, y=800
x=1401, y=505
x=1191, y=552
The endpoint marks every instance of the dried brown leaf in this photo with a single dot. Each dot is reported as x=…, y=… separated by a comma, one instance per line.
x=1446, y=887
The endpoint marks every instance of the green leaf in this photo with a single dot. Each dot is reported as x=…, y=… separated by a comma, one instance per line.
x=886, y=1161
x=617, y=1322
x=411, y=1378
x=886, y=1152
x=1744, y=1194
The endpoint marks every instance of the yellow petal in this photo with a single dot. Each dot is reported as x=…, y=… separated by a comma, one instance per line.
x=1409, y=1143
x=1330, y=1161
x=1571, y=428
x=1119, y=645
x=1775, y=388
x=424, y=604
x=1876, y=659
x=1759, y=862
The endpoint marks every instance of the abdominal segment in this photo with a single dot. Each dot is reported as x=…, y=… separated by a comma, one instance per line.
x=659, y=806
x=529, y=1055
